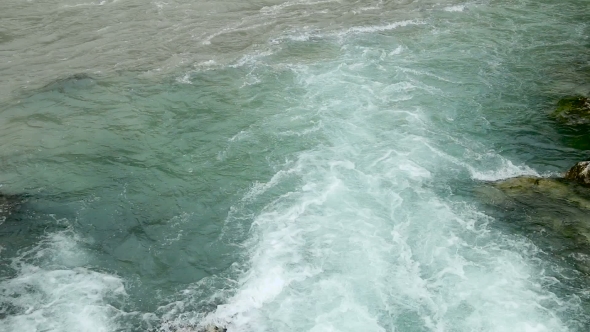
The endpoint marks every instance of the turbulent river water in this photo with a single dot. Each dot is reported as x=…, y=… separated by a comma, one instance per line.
x=282, y=165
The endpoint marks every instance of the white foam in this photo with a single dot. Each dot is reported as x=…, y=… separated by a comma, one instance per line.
x=258, y=188
x=243, y=134
x=322, y=254
x=49, y=293
x=304, y=132
x=207, y=65
x=99, y=3
x=184, y=79
x=251, y=59
x=362, y=240
x=506, y=170
x=457, y=8
x=381, y=28
x=306, y=35
x=364, y=243
x=275, y=9
x=235, y=27
x=396, y=51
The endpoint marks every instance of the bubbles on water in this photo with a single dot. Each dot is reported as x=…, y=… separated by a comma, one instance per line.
x=505, y=170
x=380, y=28
x=184, y=79
x=457, y=8
x=363, y=241
x=51, y=291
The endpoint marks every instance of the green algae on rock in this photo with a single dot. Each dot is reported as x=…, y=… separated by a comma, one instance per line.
x=524, y=187
x=573, y=110
x=552, y=212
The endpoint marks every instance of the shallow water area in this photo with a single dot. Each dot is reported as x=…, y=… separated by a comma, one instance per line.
x=285, y=166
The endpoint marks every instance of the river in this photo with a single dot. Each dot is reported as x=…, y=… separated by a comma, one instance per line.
x=282, y=165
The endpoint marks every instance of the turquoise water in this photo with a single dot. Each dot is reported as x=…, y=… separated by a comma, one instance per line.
x=317, y=178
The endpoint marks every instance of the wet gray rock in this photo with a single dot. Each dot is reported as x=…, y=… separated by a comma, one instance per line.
x=580, y=173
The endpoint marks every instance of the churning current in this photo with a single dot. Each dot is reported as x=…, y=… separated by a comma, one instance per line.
x=280, y=165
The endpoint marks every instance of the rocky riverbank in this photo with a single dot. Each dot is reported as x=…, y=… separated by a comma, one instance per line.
x=554, y=212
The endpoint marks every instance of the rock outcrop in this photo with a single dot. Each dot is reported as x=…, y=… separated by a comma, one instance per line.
x=527, y=188
x=552, y=212
x=573, y=110
x=580, y=173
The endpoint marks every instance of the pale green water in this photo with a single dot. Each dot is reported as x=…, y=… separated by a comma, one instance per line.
x=283, y=166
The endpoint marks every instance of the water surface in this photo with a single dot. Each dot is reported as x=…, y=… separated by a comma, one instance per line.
x=283, y=166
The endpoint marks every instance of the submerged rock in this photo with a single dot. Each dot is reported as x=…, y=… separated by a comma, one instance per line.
x=524, y=188
x=9, y=204
x=76, y=81
x=574, y=110
x=552, y=212
x=580, y=173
